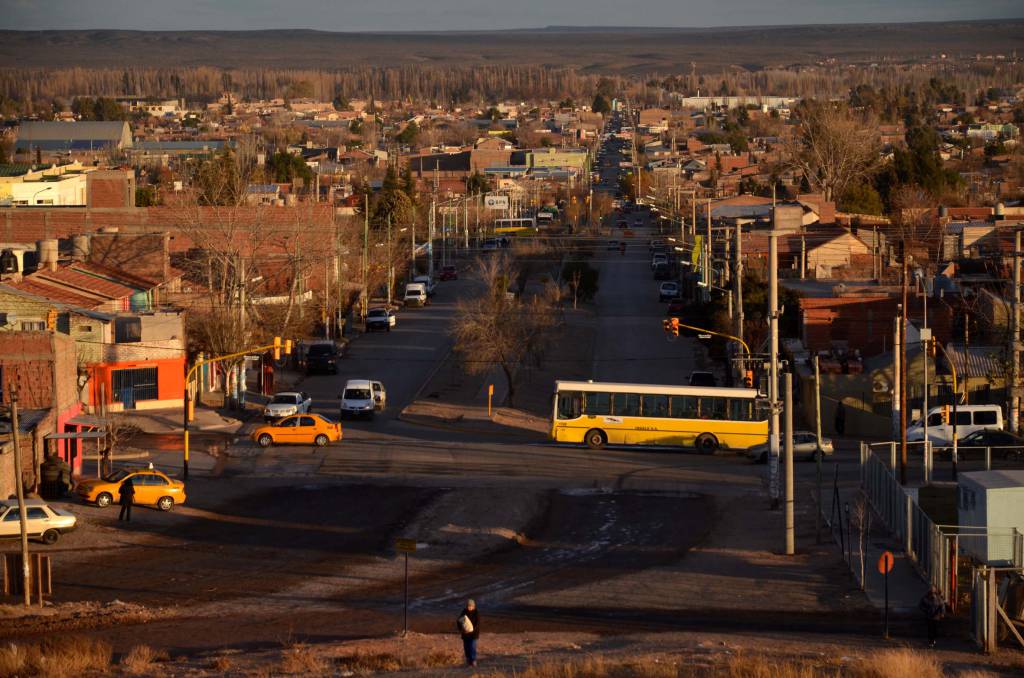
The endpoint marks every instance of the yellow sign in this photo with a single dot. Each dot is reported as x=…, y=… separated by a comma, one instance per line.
x=490, y=389
x=405, y=545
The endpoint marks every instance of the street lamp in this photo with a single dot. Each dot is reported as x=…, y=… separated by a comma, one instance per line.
x=42, y=190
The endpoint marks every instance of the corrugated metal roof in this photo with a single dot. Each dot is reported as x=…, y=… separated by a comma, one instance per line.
x=85, y=282
x=977, y=361
x=109, y=131
x=57, y=294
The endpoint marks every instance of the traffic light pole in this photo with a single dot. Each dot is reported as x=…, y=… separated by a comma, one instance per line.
x=187, y=414
x=674, y=325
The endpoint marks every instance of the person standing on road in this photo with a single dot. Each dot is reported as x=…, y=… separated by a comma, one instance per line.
x=469, y=629
x=934, y=609
x=126, y=495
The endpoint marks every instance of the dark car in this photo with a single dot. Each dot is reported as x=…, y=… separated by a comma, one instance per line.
x=449, y=273
x=699, y=378
x=322, y=359
x=1003, y=443
x=662, y=271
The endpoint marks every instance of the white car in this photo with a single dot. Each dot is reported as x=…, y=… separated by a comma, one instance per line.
x=429, y=283
x=44, y=522
x=804, y=445
x=658, y=258
x=380, y=319
x=362, y=398
x=286, y=404
x=668, y=291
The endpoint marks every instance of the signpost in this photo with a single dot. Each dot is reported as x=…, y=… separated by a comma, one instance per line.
x=490, y=397
x=885, y=563
x=496, y=202
x=405, y=546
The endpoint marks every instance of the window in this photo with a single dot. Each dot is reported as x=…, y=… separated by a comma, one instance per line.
x=127, y=330
x=985, y=418
x=289, y=423
x=598, y=403
x=935, y=419
x=741, y=410
x=37, y=514
x=33, y=326
x=963, y=418
x=85, y=329
x=307, y=421
x=684, y=407
x=626, y=405
x=712, y=408
x=11, y=515
x=140, y=479
x=655, y=405
x=568, y=405
x=131, y=386
x=157, y=480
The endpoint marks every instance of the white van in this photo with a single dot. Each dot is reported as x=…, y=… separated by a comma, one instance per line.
x=428, y=282
x=362, y=398
x=969, y=418
x=416, y=294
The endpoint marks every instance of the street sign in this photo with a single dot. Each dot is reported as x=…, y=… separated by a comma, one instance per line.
x=496, y=202
x=405, y=545
x=885, y=562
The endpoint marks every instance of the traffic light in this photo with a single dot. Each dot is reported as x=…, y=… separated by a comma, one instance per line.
x=277, y=348
x=945, y=414
x=748, y=379
x=287, y=346
x=675, y=327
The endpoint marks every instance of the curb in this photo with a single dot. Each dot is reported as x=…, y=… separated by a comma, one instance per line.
x=459, y=429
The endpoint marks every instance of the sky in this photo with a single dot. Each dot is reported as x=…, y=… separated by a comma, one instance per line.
x=413, y=15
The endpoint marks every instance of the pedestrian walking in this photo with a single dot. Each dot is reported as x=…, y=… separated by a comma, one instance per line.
x=934, y=609
x=469, y=629
x=126, y=496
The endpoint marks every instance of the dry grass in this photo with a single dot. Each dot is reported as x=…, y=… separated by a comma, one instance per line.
x=895, y=663
x=438, y=658
x=745, y=666
x=366, y=663
x=302, y=659
x=141, y=659
x=222, y=664
x=58, y=656
x=976, y=673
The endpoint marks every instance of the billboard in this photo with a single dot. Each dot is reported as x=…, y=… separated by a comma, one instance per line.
x=496, y=202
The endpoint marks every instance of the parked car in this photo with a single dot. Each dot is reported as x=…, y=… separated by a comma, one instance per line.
x=152, y=488
x=658, y=258
x=285, y=404
x=449, y=273
x=322, y=359
x=416, y=294
x=668, y=290
x=301, y=429
x=380, y=318
x=1004, y=443
x=43, y=521
x=805, y=445
x=612, y=245
x=362, y=397
x=662, y=271
x=701, y=378
x=429, y=283
x=969, y=418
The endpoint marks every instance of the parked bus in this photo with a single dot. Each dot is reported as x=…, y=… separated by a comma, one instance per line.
x=706, y=418
x=520, y=225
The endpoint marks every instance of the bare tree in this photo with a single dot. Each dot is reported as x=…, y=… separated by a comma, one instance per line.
x=861, y=519
x=499, y=329
x=833, y=148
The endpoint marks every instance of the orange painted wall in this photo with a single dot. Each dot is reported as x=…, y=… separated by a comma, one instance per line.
x=170, y=378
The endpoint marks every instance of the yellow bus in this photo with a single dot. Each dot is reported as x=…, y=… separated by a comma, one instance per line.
x=706, y=418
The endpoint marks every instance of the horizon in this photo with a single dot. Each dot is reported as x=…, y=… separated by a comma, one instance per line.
x=454, y=16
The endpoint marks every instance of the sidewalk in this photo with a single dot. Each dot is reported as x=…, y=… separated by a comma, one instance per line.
x=474, y=419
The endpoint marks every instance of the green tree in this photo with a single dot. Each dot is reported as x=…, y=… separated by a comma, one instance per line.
x=146, y=196
x=600, y=104
x=627, y=185
x=477, y=183
x=284, y=167
x=861, y=198
x=340, y=103
x=409, y=183
x=409, y=135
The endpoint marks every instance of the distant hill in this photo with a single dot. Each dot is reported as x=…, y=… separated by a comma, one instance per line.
x=589, y=49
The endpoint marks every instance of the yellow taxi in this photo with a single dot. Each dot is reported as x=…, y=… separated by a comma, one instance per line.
x=152, y=488
x=298, y=429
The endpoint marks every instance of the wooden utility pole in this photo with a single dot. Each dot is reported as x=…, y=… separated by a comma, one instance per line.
x=19, y=486
x=1015, y=339
x=903, y=374
x=773, y=372
x=790, y=524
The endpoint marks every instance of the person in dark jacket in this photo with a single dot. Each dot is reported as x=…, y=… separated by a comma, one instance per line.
x=934, y=609
x=470, y=636
x=126, y=495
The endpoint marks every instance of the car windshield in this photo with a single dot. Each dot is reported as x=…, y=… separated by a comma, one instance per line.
x=320, y=349
x=283, y=399
x=116, y=476
x=357, y=394
x=377, y=313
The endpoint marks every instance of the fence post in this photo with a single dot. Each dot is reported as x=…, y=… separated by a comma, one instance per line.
x=927, y=462
x=908, y=542
x=892, y=456
x=991, y=601
x=988, y=458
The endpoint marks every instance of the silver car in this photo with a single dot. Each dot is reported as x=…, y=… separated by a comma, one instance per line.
x=804, y=446
x=43, y=521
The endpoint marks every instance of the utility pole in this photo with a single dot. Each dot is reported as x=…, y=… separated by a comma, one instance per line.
x=738, y=280
x=773, y=366
x=790, y=526
x=430, y=237
x=903, y=375
x=366, y=255
x=19, y=485
x=1015, y=348
x=896, y=399
x=707, y=267
x=391, y=265
x=803, y=256
x=817, y=452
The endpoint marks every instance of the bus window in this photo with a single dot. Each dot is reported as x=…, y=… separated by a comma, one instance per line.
x=684, y=407
x=626, y=405
x=598, y=403
x=741, y=409
x=655, y=405
x=569, y=403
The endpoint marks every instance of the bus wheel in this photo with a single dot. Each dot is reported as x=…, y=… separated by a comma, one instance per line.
x=706, y=443
x=595, y=439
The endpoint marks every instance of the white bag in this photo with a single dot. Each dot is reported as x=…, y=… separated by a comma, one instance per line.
x=465, y=625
